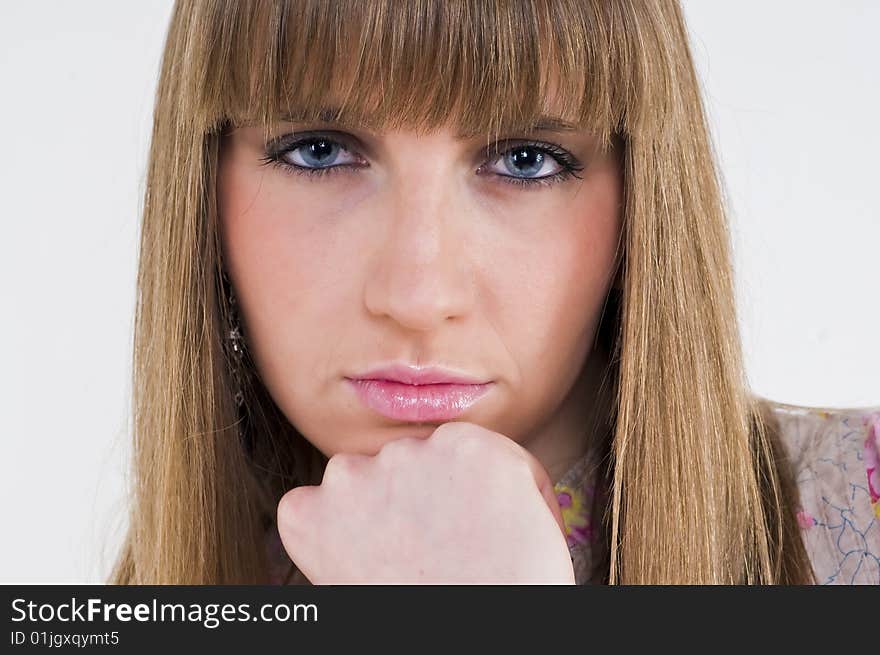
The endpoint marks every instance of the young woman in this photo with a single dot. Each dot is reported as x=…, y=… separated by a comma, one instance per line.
x=441, y=292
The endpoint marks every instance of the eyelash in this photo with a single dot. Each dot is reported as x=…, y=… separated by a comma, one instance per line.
x=279, y=147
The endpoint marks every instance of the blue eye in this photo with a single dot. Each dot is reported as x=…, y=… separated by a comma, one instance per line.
x=313, y=154
x=318, y=153
x=534, y=163
x=527, y=161
x=529, y=164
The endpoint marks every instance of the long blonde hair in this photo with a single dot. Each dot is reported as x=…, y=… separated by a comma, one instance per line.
x=699, y=492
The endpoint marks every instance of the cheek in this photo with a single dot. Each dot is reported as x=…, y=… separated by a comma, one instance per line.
x=550, y=292
x=291, y=271
x=555, y=281
x=268, y=238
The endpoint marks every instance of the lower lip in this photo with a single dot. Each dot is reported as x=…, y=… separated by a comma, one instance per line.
x=424, y=402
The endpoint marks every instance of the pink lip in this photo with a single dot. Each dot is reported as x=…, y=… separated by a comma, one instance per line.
x=409, y=393
x=417, y=375
x=423, y=402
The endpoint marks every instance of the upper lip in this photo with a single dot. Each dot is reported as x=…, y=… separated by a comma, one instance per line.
x=417, y=375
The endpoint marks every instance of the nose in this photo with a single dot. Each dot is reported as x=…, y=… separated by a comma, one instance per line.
x=420, y=274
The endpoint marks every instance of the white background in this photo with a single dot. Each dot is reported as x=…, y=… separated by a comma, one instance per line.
x=793, y=93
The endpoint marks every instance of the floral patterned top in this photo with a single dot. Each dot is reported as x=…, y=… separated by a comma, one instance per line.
x=835, y=455
x=835, y=458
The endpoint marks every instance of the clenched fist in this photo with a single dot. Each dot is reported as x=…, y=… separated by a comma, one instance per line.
x=464, y=506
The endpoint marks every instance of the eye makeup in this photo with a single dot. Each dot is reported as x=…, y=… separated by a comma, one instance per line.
x=279, y=150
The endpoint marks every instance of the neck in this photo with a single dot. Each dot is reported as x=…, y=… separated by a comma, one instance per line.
x=582, y=418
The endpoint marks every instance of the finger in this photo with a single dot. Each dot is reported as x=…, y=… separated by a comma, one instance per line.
x=343, y=467
x=542, y=478
x=545, y=485
x=293, y=517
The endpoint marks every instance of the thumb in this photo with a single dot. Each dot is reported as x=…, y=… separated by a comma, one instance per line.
x=545, y=486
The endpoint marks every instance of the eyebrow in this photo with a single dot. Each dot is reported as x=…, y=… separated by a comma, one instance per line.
x=328, y=115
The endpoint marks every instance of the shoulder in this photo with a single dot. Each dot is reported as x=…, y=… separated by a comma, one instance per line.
x=833, y=454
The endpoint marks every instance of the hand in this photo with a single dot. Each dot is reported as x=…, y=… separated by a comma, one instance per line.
x=463, y=506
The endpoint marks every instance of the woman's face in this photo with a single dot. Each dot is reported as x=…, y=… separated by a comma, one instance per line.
x=419, y=250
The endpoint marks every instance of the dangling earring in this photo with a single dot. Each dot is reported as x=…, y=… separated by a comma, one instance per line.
x=234, y=346
x=235, y=343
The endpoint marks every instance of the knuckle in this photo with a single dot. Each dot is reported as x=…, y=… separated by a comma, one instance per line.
x=292, y=508
x=451, y=427
x=458, y=437
x=338, y=468
x=397, y=449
